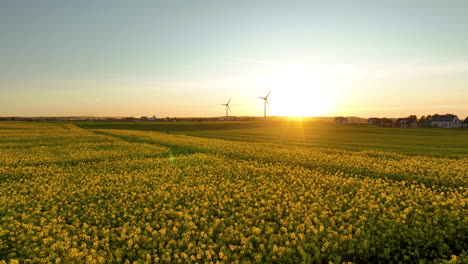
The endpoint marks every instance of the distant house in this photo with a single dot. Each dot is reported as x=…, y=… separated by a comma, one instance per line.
x=465, y=123
x=446, y=121
x=341, y=120
x=153, y=118
x=406, y=122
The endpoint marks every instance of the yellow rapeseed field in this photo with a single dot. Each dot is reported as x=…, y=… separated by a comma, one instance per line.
x=70, y=195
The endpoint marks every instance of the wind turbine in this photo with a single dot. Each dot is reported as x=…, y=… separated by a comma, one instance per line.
x=227, y=108
x=265, y=102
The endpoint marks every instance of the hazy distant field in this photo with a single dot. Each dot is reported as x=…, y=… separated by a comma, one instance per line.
x=423, y=141
x=231, y=193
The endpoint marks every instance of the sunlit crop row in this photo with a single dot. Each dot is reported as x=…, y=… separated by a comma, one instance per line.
x=423, y=169
x=72, y=145
x=219, y=206
x=35, y=126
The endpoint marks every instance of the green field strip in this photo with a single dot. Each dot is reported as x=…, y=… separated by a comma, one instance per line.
x=174, y=148
x=185, y=144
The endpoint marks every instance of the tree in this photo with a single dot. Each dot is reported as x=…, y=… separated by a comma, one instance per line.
x=421, y=121
x=428, y=120
x=386, y=122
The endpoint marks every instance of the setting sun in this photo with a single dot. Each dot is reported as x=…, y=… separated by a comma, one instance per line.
x=298, y=90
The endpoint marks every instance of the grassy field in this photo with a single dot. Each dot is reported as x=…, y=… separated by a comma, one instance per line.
x=420, y=141
x=231, y=193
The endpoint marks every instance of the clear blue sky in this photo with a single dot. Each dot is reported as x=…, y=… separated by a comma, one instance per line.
x=185, y=58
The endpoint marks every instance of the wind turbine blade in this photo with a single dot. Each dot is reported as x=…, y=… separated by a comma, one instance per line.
x=229, y=108
x=268, y=103
x=268, y=94
x=229, y=101
x=261, y=98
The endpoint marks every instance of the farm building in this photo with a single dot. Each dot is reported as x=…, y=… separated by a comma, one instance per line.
x=446, y=121
x=406, y=122
x=341, y=120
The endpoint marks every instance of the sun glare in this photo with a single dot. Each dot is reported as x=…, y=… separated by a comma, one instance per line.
x=299, y=90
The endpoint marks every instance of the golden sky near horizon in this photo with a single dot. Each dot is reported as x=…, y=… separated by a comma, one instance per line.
x=318, y=58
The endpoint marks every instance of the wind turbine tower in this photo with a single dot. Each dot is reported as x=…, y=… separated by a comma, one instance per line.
x=265, y=102
x=227, y=108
